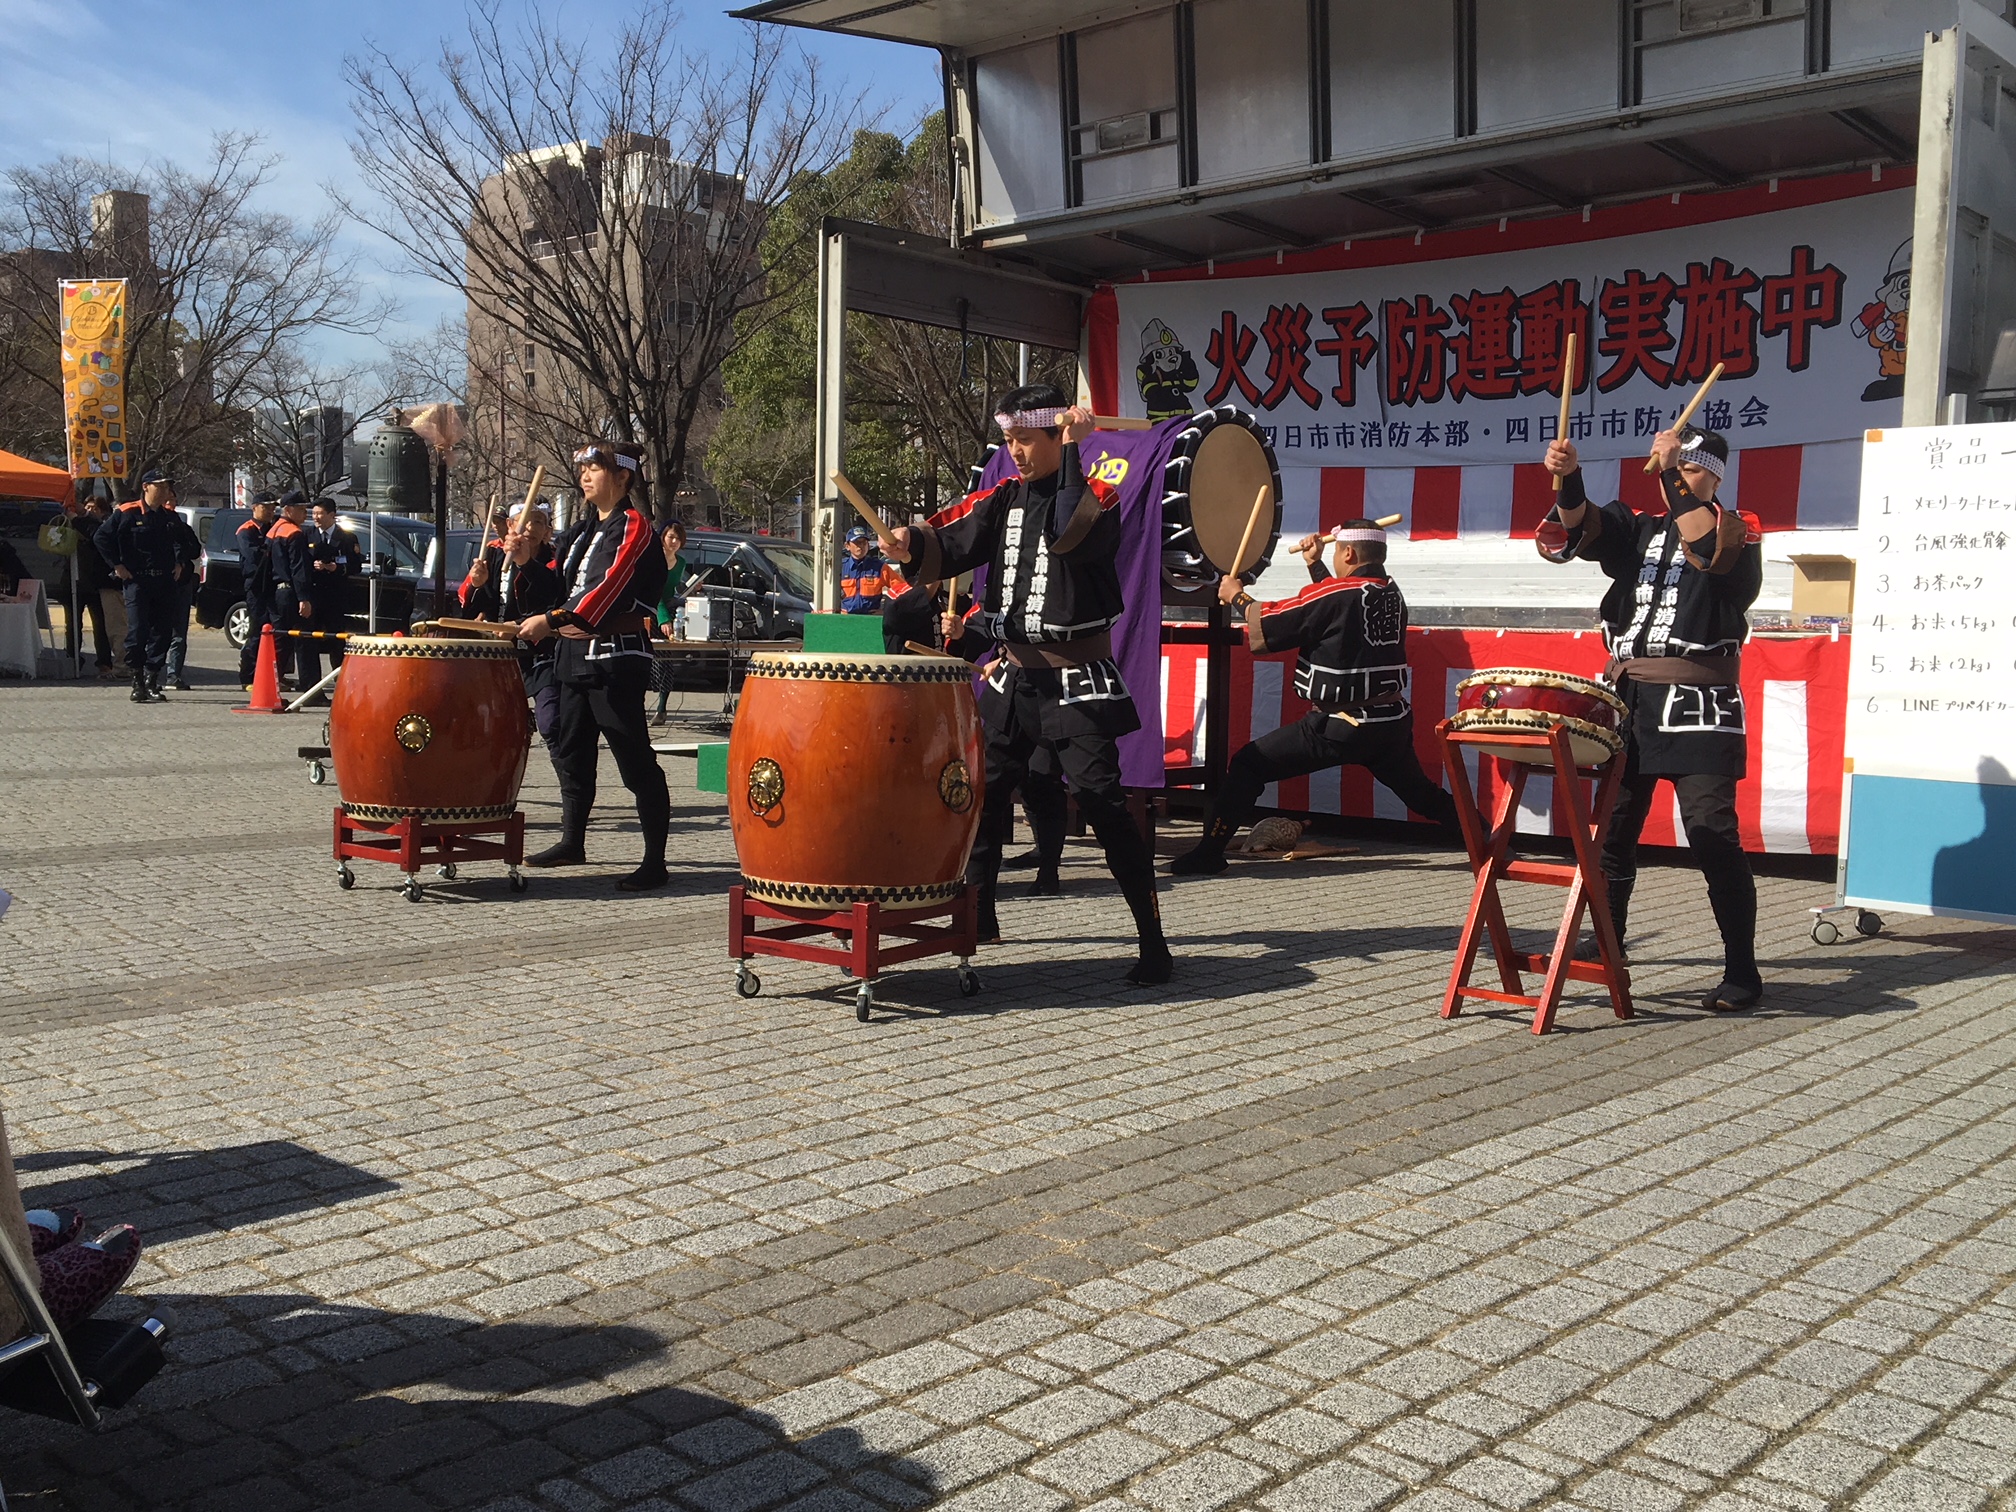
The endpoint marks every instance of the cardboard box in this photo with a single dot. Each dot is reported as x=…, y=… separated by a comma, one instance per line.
x=1823, y=586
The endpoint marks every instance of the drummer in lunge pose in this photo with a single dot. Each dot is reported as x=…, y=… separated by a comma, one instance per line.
x=1048, y=539
x=1350, y=626
x=612, y=572
x=1674, y=619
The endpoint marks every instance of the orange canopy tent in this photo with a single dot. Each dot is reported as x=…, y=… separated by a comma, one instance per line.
x=22, y=479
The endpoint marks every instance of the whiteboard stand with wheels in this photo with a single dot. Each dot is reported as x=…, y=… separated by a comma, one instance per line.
x=1928, y=800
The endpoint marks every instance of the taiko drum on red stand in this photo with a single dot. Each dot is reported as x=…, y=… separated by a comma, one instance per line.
x=429, y=739
x=854, y=794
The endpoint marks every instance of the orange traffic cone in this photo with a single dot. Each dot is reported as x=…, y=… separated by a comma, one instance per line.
x=266, y=680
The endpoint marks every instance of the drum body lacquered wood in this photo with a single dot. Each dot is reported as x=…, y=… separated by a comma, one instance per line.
x=855, y=779
x=1534, y=702
x=436, y=728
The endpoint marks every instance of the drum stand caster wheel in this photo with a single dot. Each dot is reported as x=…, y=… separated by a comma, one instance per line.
x=969, y=981
x=345, y=878
x=446, y=873
x=1867, y=923
x=1825, y=932
x=864, y=1001
x=519, y=881
x=413, y=890
x=747, y=983
x=317, y=773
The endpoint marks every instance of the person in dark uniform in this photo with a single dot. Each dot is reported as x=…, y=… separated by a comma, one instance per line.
x=613, y=574
x=140, y=543
x=294, y=604
x=522, y=587
x=1048, y=538
x=1675, y=619
x=333, y=559
x=867, y=582
x=255, y=573
x=189, y=552
x=1350, y=627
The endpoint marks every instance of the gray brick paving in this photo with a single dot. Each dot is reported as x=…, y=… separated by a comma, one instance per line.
x=510, y=1203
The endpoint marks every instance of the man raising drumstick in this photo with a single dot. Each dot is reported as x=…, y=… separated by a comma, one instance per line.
x=1674, y=619
x=1048, y=540
x=1351, y=631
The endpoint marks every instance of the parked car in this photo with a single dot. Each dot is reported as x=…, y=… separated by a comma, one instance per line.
x=220, y=590
x=462, y=546
x=769, y=579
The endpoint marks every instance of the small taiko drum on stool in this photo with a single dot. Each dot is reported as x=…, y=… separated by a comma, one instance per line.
x=855, y=779
x=429, y=728
x=1531, y=702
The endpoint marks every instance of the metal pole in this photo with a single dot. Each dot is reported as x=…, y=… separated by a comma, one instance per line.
x=829, y=407
x=440, y=538
x=371, y=532
x=1932, y=303
x=1022, y=365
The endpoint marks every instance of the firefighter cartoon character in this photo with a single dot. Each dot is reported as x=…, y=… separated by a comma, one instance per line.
x=1885, y=324
x=1167, y=373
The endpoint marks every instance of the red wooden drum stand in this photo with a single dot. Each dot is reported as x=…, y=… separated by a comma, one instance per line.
x=1520, y=754
x=863, y=926
x=412, y=843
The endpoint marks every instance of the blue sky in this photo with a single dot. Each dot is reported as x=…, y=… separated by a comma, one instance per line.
x=156, y=78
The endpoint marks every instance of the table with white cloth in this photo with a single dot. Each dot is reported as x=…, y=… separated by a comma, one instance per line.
x=21, y=620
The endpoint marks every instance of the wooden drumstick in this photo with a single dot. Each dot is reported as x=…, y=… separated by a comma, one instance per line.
x=1652, y=463
x=489, y=518
x=532, y=489
x=918, y=648
x=853, y=496
x=1567, y=394
x=1122, y=422
x=1261, y=504
x=1387, y=522
x=500, y=629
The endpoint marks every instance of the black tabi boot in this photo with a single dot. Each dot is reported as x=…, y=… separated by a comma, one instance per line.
x=1734, y=899
x=654, y=818
x=1133, y=867
x=1207, y=857
x=140, y=693
x=154, y=686
x=1047, y=883
x=1620, y=907
x=571, y=849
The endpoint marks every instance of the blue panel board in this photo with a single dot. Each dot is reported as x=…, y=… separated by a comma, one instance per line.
x=1937, y=847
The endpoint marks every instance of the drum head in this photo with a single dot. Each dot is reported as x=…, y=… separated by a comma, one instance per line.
x=1232, y=467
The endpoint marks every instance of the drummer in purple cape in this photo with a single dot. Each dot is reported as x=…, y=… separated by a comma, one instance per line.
x=1048, y=539
x=612, y=575
x=1681, y=584
x=1350, y=628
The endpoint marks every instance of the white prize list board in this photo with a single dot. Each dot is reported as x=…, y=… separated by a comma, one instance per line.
x=1931, y=729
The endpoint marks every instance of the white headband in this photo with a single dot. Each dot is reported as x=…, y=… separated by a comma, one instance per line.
x=1703, y=458
x=541, y=507
x=1042, y=419
x=598, y=453
x=1374, y=535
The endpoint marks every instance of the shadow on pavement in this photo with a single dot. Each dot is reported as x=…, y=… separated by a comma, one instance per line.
x=279, y=1401
x=174, y=1194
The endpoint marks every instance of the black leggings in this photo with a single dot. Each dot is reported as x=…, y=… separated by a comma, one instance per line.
x=1316, y=742
x=612, y=709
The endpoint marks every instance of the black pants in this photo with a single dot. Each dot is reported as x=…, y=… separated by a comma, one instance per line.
x=1092, y=764
x=1316, y=742
x=1045, y=806
x=150, y=620
x=178, y=634
x=614, y=710
x=260, y=613
x=1708, y=816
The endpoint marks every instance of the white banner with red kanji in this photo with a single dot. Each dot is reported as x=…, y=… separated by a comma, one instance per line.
x=1794, y=690
x=1444, y=351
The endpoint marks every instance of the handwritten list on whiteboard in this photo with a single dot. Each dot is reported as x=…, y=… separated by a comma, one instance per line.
x=1932, y=683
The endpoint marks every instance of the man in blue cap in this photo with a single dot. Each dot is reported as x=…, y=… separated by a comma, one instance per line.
x=141, y=543
x=865, y=576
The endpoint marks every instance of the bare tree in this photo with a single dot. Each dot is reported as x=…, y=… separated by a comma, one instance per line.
x=217, y=289
x=296, y=398
x=600, y=199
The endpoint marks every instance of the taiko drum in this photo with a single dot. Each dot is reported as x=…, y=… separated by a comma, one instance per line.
x=855, y=779
x=1535, y=702
x=434, y=728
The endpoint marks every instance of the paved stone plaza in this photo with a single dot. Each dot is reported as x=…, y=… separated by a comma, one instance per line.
x=511, y=1203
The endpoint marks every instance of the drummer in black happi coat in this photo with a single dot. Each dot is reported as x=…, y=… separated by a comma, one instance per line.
x=1350, y=626
x=1674, y=618
x=1048, y=539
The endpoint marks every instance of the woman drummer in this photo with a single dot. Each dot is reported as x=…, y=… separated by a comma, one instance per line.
x=613, y=574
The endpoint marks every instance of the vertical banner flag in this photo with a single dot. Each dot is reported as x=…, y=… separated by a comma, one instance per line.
x=94, y=362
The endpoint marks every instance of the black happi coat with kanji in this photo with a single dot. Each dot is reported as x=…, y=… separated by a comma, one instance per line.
x=1352, y=634
x=1666, y=602
x=1052, y=594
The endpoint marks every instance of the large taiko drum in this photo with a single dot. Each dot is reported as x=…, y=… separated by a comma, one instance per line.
x=434, y=728
x=1530, y=702
x=855, y=779
x=1209, y=469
